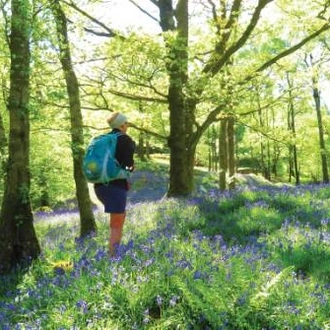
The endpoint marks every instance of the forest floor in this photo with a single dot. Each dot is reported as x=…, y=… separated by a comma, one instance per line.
x=151, y=185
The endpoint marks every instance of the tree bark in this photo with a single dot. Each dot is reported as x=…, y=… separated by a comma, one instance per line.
x=141, y=147
x=214, y=152
x=3, y=148
x=324, y=161
x=87, y=221
x=182, y=153
x=293, y=152
x=18, y=240
x=223, y=154
x=231, y=152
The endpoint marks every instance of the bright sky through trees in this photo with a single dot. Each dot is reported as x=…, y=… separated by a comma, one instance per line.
x=122, y=15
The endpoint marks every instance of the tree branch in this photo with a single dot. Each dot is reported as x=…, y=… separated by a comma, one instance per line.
x=211, y=118
x=229, y=27
x=155, y=2
x=137, y=97
x=144, y=11
x=215, y=16
x=291, y=50
x=141, y=129
x=140, y=84
x=266, y=135
x=217, y=61
x=110, y=32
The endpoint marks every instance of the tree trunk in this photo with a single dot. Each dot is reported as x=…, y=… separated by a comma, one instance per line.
x=223, y=154
x=141, y=147
x=181, y=162
x=293, y=153
x=213, y=157
x=264, y=147
x=87, y=221
x=18, y=240
x=324, y=162
x=3, y=148
x=214, y=152
x=210, y=154
x=294, y=147
x=182, y=148
x=180, y=179
x=231, y=152
x=269, y=162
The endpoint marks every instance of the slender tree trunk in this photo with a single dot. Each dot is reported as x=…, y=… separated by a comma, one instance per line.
x=324, y=161
x=223, y=154
x=316, y=96
x=263, y=164
x=3, y=148
x=293, y=153
x=209, y=154
x=231, y=152
x=147, y=149
x=294, y=147
x=269, y=162
x=141, y=147
x=87, y=221
x=215, y=156
x=18, y=240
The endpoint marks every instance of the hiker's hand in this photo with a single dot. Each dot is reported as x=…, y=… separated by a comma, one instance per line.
x=131, y=169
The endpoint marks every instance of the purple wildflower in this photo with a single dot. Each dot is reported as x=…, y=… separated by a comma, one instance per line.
x=82, y=305
x=174, y=300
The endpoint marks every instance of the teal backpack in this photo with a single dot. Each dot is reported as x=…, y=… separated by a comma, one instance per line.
x=100, y=164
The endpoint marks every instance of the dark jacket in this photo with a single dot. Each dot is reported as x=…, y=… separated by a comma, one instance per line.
x=124, y=154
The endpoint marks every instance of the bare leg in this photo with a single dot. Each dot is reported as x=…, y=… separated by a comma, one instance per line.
x=116, y=231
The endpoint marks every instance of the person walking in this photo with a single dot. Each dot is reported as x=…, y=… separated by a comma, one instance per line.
x=113, y=194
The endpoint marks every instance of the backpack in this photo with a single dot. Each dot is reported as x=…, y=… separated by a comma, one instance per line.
x=99, y=163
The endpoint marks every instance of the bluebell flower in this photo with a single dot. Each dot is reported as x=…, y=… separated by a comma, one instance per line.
x=82, y=305
x=198, y=275
x=159, y=300
x=146, y=317
x=174, y=300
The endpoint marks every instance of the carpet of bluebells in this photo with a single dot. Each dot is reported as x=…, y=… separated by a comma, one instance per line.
x=257, y=257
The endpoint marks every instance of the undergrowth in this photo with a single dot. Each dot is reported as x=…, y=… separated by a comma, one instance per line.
x=253, y=258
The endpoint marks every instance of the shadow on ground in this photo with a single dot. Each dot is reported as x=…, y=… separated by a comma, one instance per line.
x=147, y=186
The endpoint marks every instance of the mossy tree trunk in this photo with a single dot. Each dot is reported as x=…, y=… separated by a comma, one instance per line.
x=87, y=221
x=317, y=100
x=18, y=240
x=181, y=113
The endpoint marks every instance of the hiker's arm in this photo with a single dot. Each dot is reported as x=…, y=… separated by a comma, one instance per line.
x=125, y=152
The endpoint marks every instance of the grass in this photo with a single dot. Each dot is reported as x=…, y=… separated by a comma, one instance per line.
x=252, y=258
